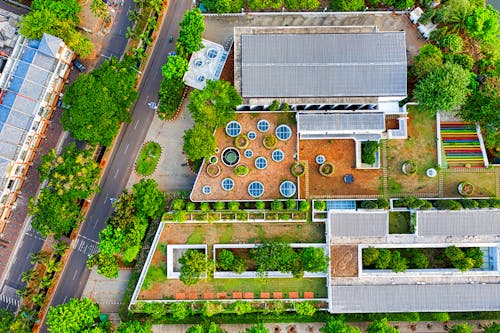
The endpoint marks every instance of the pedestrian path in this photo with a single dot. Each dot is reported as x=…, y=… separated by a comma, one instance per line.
x=86, y=246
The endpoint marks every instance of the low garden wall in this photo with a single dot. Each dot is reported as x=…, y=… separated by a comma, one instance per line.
x=174, y=252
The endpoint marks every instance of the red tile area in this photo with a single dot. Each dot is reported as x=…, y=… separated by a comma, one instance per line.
x=293, y=294
x=248, y=295
x=208, y=296
x=277, y=295
x=221, y=295
x=265, y=295
x=180, y=296
x=308, y=294
x=237, y=295
x=193, y=296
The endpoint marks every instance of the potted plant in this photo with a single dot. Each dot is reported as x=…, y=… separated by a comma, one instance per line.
x=213, y=170
x=241, y=170
x=241, y=141
x=298, y=169
x=465, y=188
x=409, y=167
x=326, y=169
x=269, y=141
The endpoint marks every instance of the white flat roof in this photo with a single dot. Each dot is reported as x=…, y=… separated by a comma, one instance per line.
x=458, y=223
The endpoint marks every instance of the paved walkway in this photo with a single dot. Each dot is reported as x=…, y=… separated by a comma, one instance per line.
x=108, y=293
x=404, y=327
x=172, y=173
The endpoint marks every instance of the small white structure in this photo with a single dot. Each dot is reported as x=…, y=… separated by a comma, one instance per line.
x=205, y=64
x=415, y=14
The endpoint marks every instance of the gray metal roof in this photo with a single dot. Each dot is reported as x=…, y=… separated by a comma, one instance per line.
x=333, y=122
x=415, y=298
x=314, y=65
x=458, y=223
x=359, y=224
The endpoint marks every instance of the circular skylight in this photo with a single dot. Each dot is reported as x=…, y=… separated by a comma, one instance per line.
x=248, y=153
x=287, y=189
x=251, y=135
x=200, y=78
x=260, y=163
x=198, y=63
x=263, y=125
x=283, y=132
x=227, y=184
x=206, y=189
x=256, y=189
x=212, y=53
x=230, y=156
x=233, y=128
x=320, y=159
x=278, y=155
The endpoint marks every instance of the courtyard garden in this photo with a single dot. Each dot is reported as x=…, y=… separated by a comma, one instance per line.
x=482, y=183
x=400, y=223
x=148, y=159
x=408, y=160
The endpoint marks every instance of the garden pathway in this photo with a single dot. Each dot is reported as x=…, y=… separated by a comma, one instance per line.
x=385, y=174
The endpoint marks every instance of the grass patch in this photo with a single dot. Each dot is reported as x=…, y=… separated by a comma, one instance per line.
x=399, y=223
x=148, y=159
x=227, y=234
x=484, y=183
x=155, y=274
x=196, y=237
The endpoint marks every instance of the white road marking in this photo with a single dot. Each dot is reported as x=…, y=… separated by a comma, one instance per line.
x=126, y=148
x=137, y=123
x=116, y=173
x=74, y=275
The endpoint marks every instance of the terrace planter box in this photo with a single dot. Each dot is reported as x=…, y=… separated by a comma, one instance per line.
x=174, y=252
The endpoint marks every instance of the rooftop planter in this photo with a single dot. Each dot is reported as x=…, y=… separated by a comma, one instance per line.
x=326, y=169
x=148, y=159
x=213, y=170
x=409, y=167
x=241, y=141
x=465, y=189
x=241, y=170
x=298, y=169
x=269, y=141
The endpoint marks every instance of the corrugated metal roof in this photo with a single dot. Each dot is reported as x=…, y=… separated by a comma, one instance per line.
x=415, y=298
x=334, y=122
x=314, y=65
x=458, y=223
x=359, y=224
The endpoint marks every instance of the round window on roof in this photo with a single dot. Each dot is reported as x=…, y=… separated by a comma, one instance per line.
x=230, y=156
x=260, y=162
x=206, y=189
x=288, y=189
x=263, y=125
x=233, y=128
x=278, y=155
x=251, y=135
x=200, y=78
x=283, y=132
x=227, y=184
x=248, y=153
x=256, y=189
x=320, y=159
x=212, y=53
x=198, y=63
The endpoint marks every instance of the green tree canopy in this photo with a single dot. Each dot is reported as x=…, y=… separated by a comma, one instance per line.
x=314, y=259
x=429, y=58
x=215, y=105
x=206, y=327
x=452, y=41
x=274, y=256
x=259, y=328
x=492, y=328
x=443, y=89
x=347, y=5
x=194, y=264
x=301, y=4
x=460, y=328
x=73, y=316
x=134, y=327
x=63, y=9
x=192, y=26
x=175, y=67
x=199, y=142
x=305, y=309
x=265, y=4
x=482, y=24
x=338, y=325
x=99, y=102
x=381, y=326
x=223, y=6
x=148, y=199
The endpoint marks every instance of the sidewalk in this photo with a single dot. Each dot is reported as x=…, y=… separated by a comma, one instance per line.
x=404, y=327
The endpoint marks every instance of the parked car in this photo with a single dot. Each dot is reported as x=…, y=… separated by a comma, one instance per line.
x=79, y=65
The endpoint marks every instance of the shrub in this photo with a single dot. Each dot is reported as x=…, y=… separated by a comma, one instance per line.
x=241, y=141
x=384, y=259
x=469, y=204
x=211, y=309
x=454, y=253
x=494, y=203
x=442, y=317
x=269, y=141
x=260, y=205
x=220, y=205
x=475, y=254
x=305, y=309
x=225, y=260
x=482, y=203
x=452, y=41
x=277, y=205
x=420, y=260
x=241, y=170
x=274, y=105
x=178, y=204
x=427, y=205
x=278, y=307
x=241, y=308
x=398, y=263
x=233, y=206
x=369, y=204
x=291, y=204
x=369, y=150
x=382, y=203
x=314, y=259
x=304, y=206
x=204, y=206
x=239, y=265
x=274, y=256
x=285, y=107
x=180, y=310
x=320, y=205
x=447, y=205
x=298, y=169
x=190, y=206
x=194, y=264
x=460, y=328
x=180, y=216
x=370, y=256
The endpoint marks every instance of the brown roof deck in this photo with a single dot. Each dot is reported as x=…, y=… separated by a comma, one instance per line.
x=343, y=260
x=271, y=177
x=340, y=152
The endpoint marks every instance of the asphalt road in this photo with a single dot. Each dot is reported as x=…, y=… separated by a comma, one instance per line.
x=13, y=8
x=120, y=165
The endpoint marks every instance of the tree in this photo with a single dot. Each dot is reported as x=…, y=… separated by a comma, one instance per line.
x=63, y=9
x=442, y=317
x=211, y=309
x=225, y=260
x=265, y=4
x=223, y=6
x=454, y=14
x=148, y=199
x=301, y=4
x=73, y=316
x=206, y=327
x=420, y=260
x=453, y=42
x=384, y=259
x=99, y=9
x=314, y=259
x=99, y=102
x=273, y=256
x=369, y=150
x=398, y=263
x=347, y=5
x=482, y=24
x=180, y=310
x=194, y=264
x=370, y=256
x=175, y=67
x=443, y=89
x=215, y=104
x=429, y=58
x=475, y=254
x=199, y=142
x=134, y=327
x=6, y=318
x=305, y=309
x=460, y=328
x=241, y=308
x=337, y=325
x=259, y=328
x=381, y=326
x=492, y=328
x=192, y=26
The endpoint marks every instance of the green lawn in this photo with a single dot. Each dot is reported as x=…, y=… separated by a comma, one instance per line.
x=399, y=223
x=148, y=159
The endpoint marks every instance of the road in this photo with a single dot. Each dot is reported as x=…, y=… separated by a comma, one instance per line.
x=120, y=165
x=31, y=242
x=13, y=8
